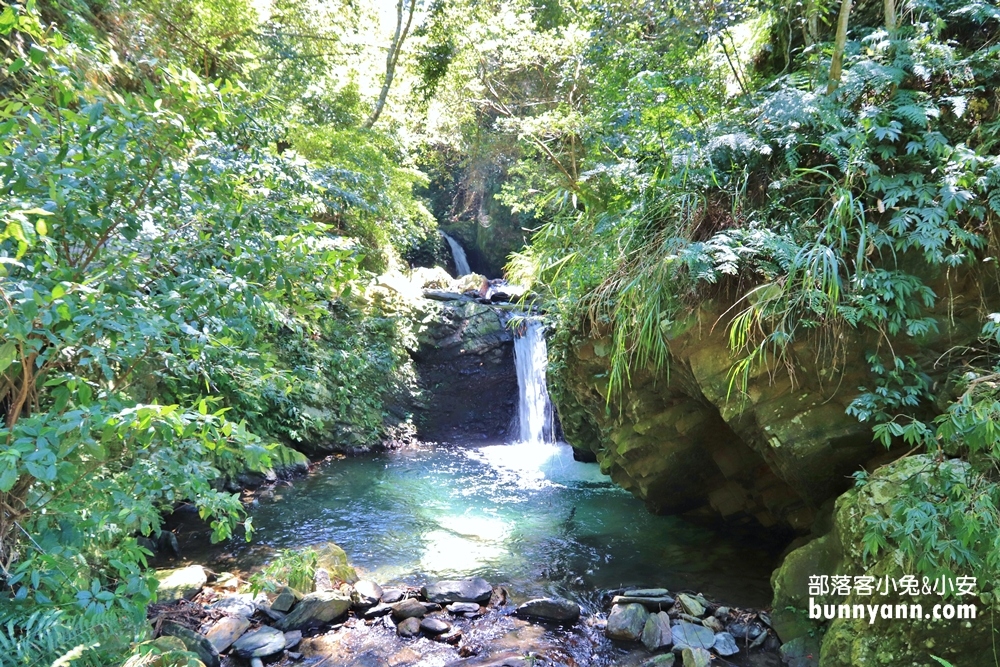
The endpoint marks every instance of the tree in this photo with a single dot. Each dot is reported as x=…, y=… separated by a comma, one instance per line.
x=392, y=57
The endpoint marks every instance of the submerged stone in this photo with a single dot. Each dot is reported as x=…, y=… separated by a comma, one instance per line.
x=476, y=589
x=557, y=610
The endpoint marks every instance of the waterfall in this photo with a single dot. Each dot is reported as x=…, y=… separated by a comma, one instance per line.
x=458, y=252
x=534, y=409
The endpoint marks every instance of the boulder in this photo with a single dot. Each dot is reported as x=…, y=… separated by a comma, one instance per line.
x=408, y=627
x=696, y=657
x=476, y=589
x=333, y=559
x=316, y=609
x=408, y=608
x=260, y=643
x=557, y=610
x=692, y=635
x=235, y=605
x=434, y=626
x=656, y=632
x=181, y=583
x=195, y=642
x=626, y=622
x=226, y=631
x=366, y=594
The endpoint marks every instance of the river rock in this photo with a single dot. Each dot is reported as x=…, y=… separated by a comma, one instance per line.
x=713, y=624
x=557, y=610
x=366, y=593
x=380, y=609
x=322, y=581
x=691, y=605
x=725, y=644
x=476, y=589
x=316, y=609
x=463, y=608
x=391, y=595
x=646, y=593
x=656, y=632
x=434, y=626
x=692, y=635
x=408, y=627
x=286, y=599
x=722, y=613
x=293, y=639
x=696, y=657
x=333, y=559
x=408, y=608
x=195, y=642
x=226, y=631
x=745, y=631
x=652, y=603
x=260, y=643
x=181, y=583
x=256, y=662
x=235, y=605
x=626, y=622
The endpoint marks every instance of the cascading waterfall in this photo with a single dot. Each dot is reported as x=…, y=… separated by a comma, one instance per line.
x=458, y=253
x=534, y=408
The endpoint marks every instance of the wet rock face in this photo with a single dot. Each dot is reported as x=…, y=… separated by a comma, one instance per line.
x=465, y=365
x=688, y=442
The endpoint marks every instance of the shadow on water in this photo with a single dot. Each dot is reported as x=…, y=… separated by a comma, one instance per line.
x=524, y=515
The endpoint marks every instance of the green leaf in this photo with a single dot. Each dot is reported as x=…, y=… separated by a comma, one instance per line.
x=8, y=352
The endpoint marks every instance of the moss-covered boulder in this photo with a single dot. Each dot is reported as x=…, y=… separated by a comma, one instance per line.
x=333, y=559
x=879, y=641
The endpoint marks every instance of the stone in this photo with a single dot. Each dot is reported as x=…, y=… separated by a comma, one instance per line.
x=392, y=595
x=434, y=626
x=272, y=614
x=692, y=635
x=626, y=622
x=366, y=593
x=408, y=627
x=450, y=637
x=408, y=608
x=260, y=643
x=691, y=605
x=463, y=608
x=646, y=593
x=227, y=580
x=476, y=589
x=226, y=631
x=322, y=581
x=557, y=610
x=316, y=609
x=180, y=584
x=292, y=639
x=665, y=660
x=725, y=644
x=656, y=632
x=287, y=598
x=380, y=609
x=696, y=657
x=162, y=652
x=652, y=603
x=745, y=631
x=722, y=613
x=333, y=559
x=256, y=662
x=713, y=624
x=800, y=652
x=195, y=642
x=235, y=605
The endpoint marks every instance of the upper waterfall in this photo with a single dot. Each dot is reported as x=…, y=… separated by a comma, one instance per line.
x=458, y=252
x=534, y=414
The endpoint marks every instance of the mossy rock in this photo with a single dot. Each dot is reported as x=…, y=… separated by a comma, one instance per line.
x=333, y=559
x=287, y=461
x=883, y=642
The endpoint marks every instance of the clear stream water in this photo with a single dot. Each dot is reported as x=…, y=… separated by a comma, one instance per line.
x=524, y=515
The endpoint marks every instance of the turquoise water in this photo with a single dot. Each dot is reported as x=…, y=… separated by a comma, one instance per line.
x=523, y=515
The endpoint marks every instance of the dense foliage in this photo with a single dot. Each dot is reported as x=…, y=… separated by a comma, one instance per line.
x=183, y=256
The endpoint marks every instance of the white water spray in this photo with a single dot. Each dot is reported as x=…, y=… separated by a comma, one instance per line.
x=458, y=253
x=534, y=408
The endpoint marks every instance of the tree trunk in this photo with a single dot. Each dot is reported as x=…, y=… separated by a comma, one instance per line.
x=890, y=14
x=837, y=64
x=395, y=47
